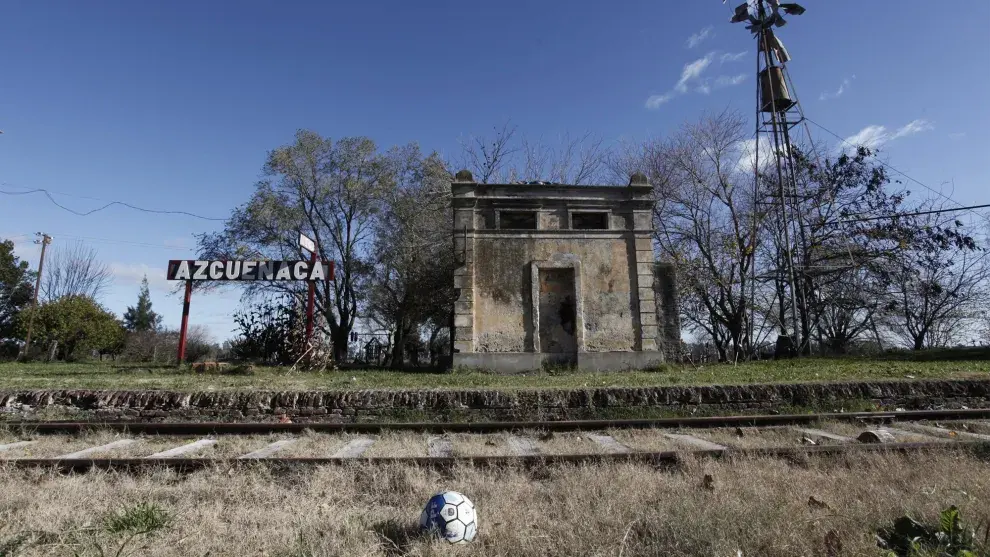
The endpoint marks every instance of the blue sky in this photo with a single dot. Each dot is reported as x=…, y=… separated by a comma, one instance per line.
x=173, y=105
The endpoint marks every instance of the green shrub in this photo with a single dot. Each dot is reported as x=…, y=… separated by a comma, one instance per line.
x=950, y=538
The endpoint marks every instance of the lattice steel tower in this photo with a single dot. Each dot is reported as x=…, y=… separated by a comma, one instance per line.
x=777, y=113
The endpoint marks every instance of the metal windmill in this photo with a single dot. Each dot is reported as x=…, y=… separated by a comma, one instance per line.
x=777, y=113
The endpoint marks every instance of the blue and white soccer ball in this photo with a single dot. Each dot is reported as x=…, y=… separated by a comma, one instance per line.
x=450, y=515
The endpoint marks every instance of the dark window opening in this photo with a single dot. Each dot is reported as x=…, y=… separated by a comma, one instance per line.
x=589, y=221
x=521, y=220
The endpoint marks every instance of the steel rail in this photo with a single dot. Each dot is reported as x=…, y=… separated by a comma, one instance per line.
x=652, y=458
x=228, y=428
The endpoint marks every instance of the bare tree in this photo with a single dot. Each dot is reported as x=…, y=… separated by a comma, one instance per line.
x=704, y=222
x=939, y=284
x=503, y=158
x=74, y=270
x=488, y=158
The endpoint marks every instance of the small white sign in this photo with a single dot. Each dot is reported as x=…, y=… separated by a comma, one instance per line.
x=307, y=244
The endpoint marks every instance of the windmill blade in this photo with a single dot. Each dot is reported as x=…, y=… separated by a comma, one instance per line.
x=741, y=13
x=792, y=9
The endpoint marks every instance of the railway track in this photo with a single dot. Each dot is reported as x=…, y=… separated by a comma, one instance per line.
x=189, y=446
x=237, y=428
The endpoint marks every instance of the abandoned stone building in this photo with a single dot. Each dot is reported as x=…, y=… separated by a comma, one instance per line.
x=555, y=274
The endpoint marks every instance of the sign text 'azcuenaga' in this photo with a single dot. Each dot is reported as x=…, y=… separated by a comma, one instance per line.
x=248, y=270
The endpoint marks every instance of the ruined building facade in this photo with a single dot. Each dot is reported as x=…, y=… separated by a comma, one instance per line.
x=558, y=275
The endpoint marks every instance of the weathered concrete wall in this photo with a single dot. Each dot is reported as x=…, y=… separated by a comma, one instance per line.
x=507, y=235
x=478, y=405
x=503, y=299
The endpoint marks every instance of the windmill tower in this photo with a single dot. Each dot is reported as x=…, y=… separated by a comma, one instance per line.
x=777, y=113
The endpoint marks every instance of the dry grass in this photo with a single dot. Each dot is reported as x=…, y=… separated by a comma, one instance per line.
x=751, y=438
x=465, y=444
x=853, y=430
x=567, y=443
x=970, y=425
x=52, y=446
x=398, y=444
x=758, y=506
x=647, y=440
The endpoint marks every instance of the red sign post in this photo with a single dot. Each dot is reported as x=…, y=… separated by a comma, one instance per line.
x=185, y=322
x=310, y=245
x=202, y=270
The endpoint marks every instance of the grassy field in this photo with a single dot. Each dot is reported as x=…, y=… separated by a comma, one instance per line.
x=15, y=375
x=752, y=507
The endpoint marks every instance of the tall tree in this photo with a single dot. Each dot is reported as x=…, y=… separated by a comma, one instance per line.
x=74, y=270
x=411, y=280
x=332, y=192
x=846, y=238
x=16, y=289
x=704, y=222
x=141, y=317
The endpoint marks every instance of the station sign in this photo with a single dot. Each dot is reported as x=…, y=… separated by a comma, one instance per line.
x=194, y=269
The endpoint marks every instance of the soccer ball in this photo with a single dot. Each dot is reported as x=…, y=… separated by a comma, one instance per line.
x=451, y=515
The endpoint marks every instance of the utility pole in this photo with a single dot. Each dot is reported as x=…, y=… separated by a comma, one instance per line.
x=44, y=241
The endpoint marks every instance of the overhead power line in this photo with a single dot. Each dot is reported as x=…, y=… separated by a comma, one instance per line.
x=916, y=213
x=902, y=173
x=109, y=204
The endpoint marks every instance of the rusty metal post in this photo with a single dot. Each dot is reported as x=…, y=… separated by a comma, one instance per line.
x=185, y=323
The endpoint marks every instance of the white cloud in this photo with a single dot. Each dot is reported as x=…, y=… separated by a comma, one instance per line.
x=874, y=136
x=870, y=136
x=731, y=57
x=656, y=100
x=957, y=135
x=727, y=81
x=699, y=37
x=133, y=273
x=748, y=154
x=913, y=127
x=843, y=87
x=693, y=70
x=691, y=78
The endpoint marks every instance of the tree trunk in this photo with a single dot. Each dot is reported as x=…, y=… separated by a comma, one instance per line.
x=398, y=348
x=339, y=338
x=434, y=350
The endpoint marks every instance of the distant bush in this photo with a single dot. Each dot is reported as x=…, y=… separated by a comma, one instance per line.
x=162, y=346
x=271, y=333
x=9, y=349
x=73, y=327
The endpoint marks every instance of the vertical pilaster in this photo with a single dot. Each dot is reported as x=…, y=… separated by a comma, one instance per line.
x=644, y=279
x=670, y=327
x=464, y=226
